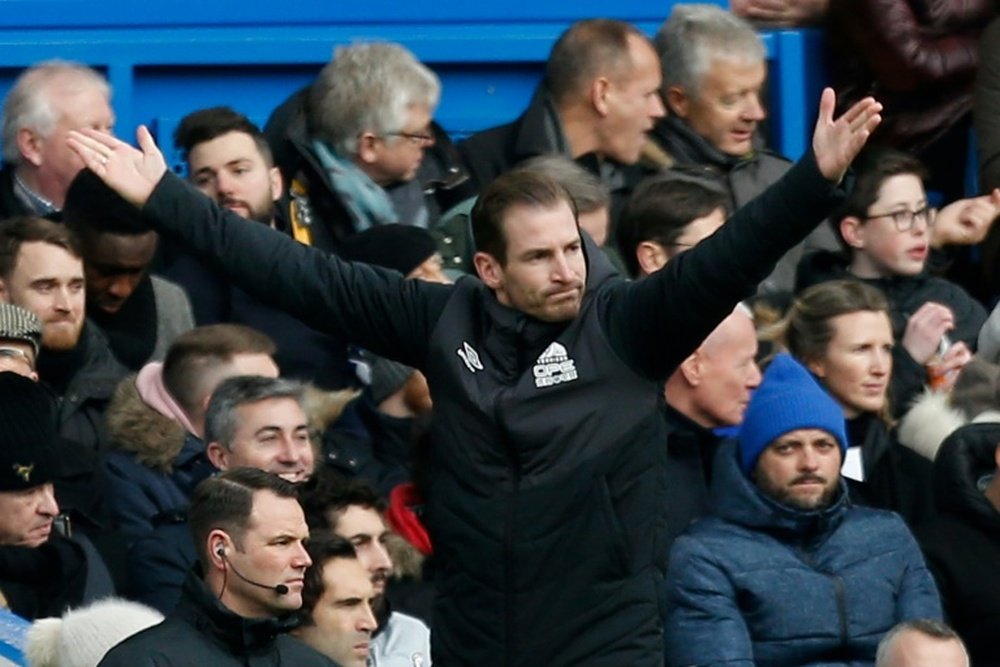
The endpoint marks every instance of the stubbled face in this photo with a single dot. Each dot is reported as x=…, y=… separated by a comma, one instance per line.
x=396, y=158
x=56, y=164
x=632, y=105
x=272, y=551
x=343, y=618
x=545, y=272
x=231, y=170
x=726, y=108
x=365, y=529
x=857, y=365
x=728, y=372
x=114, y=265
x=801, y=469
x=271, y=435
x=26, y=516
x=48, y=281
x=881, y=250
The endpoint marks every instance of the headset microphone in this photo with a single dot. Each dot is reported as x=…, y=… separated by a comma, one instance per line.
x=280, y=589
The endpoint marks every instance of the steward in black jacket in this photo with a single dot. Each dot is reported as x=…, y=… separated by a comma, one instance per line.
x=547, y=442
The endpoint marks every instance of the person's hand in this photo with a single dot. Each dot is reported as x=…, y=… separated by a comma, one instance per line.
x=944, y=373
x=131, y=173
x=782, y=13
x=924, y=330
x=837, y=142
x=966, y=221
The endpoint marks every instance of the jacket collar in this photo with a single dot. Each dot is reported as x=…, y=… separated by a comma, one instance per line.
x=688, y=147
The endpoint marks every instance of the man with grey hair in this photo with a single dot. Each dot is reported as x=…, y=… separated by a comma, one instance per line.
x=714, y=69
x=47, y=101
x=921, y=642
x=360, y=143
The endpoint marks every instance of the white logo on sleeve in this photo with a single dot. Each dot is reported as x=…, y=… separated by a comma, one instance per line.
x=470, y=357
x=554, y=367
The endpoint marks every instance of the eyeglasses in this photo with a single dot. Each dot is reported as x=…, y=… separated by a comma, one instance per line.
x=904, y=218
x=416, y=138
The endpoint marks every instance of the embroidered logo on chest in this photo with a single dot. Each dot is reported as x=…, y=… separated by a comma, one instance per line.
x=554, y=367
x=470, y=357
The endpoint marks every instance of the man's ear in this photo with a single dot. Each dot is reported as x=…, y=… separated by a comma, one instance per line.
x=29, y=144
x=852, y=232
x=488, y=269
x=678, y=102
x=690, y=368
x=651, y=256
x=367, y=152
x=276, y=182
x=218, y=455
x=600, y=88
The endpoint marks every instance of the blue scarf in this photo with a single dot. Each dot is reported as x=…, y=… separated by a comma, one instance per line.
x=364, y=198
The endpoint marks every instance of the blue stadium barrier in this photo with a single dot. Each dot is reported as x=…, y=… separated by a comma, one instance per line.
x=167, y=59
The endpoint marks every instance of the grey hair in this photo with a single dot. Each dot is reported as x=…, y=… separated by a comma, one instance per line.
x=29, y=103
x=585, y=188
x=926, y=626
x=221, y=418
x=368, y=88
x=696, y=34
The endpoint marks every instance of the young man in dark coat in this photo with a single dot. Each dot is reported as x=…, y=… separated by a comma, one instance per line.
x=546, y=375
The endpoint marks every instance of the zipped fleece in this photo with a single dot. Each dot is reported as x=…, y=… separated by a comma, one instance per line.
x=546, y=493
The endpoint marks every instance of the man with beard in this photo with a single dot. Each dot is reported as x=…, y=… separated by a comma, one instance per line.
x=41, y=270
x=351, y=509
x=785, y=570
x=229, y=160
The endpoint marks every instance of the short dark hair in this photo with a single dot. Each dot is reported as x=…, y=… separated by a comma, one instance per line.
x=206, y=124
x=586, y=49
x=662, y=207
x=520, y=187
x=221, y=418
x=93, y=207
x=17, y=231
x=871, y=170
x=200, y=352
x=225, y=502
x=323, y=546
x=328, y=492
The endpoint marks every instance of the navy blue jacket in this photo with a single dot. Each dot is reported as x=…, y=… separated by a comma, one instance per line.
x=759, y=583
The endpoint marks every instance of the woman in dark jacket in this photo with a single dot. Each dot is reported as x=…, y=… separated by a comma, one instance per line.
x=840, y=330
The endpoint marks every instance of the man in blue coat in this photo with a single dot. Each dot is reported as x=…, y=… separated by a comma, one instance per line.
x=786, y=571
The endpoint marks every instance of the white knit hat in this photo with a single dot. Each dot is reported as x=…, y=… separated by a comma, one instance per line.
x=81, y=637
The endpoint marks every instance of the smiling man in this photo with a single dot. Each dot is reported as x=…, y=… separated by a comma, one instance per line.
x=827, y=579
x=237, y=605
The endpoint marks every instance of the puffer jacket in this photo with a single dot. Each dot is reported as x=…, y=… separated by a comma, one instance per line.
x=759, y=583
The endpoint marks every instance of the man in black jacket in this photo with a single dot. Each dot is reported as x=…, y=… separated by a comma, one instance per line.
x=546, y=374
x=236, y=606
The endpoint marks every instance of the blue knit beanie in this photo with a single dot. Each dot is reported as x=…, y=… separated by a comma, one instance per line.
x=788, y=399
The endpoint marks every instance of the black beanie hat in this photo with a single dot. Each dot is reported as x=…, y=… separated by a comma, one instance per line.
x=399, y=247
x=27, y=433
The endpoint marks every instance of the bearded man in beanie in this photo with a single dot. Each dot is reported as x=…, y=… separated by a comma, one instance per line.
x=786, y=571
x=42, y=571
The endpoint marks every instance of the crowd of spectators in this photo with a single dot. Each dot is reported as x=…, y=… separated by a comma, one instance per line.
x=611, y=384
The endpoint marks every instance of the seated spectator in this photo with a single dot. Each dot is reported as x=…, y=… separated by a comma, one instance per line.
x=337, y=598
x=665, y=216
x=81, y=637
x=44, y=568
x=238, y=604
x=961, y=543
x=251, y=421
x=920, y=643
x=887, y=228
x=367, y=124
x=140, y=314
x=787, y=570
x=156, y=422
x=41, y=270
x=47, y=100
x=229, y=160
x=714, y=70
x=596, y=103
x=840, y=331
x=351, y=510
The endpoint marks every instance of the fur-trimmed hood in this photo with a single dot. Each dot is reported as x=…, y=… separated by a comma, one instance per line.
x=136, y=428
x=323, y=408
x=936, y=415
